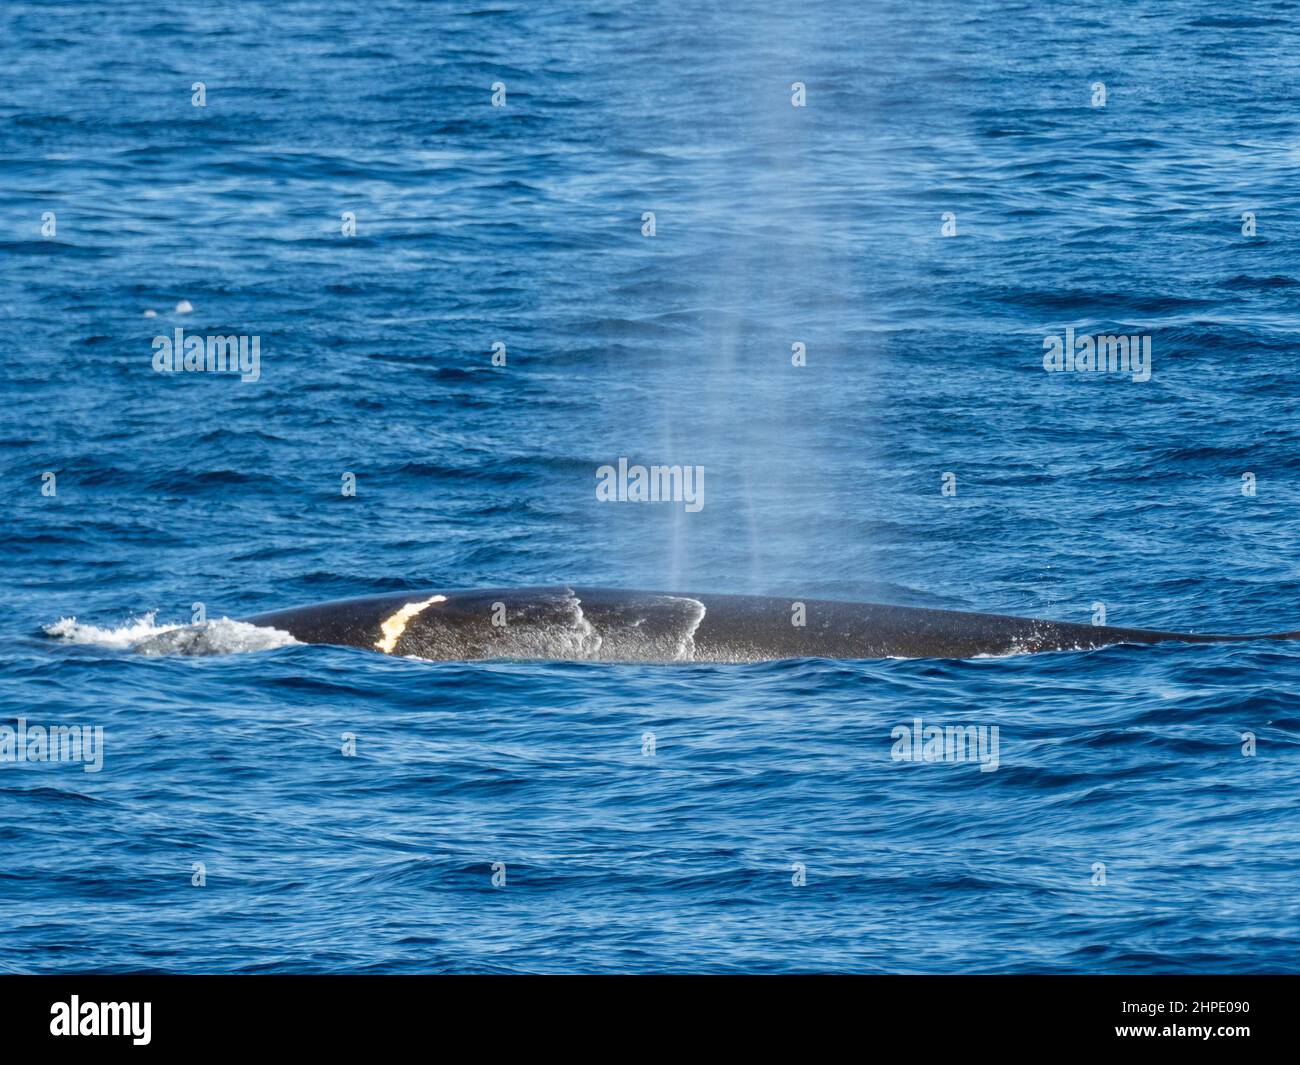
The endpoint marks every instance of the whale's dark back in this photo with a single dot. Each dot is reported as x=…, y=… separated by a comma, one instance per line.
x=614, y=625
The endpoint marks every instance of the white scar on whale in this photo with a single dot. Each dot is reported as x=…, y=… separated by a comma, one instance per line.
x=396, y=625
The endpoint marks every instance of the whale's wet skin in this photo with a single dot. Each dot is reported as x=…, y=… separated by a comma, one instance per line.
x=609, y=625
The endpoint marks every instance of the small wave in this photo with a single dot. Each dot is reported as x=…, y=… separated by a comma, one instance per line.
x=143, y=636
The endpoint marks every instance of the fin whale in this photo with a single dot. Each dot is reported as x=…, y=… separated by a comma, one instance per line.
x=610, y=625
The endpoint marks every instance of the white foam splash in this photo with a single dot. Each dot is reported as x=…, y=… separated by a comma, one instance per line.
x=119, y=639
x=652, y=628
x=582, y=640
x=687, y=649
x=143, y=636
x=220, y=637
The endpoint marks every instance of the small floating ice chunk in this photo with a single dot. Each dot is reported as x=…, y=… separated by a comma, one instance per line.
x=151, y=313
x=184, y=307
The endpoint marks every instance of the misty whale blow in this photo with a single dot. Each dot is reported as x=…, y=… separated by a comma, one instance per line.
x=610, y=625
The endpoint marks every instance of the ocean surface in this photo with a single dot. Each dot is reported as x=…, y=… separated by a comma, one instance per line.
x=575, y=817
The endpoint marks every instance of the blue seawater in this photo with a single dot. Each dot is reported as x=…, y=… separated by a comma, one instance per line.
x=1126, y=828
